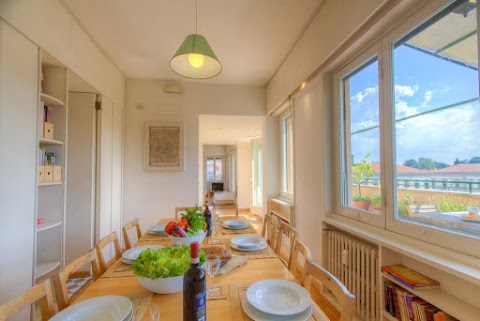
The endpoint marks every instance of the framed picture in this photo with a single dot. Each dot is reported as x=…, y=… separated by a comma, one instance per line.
x=163, y=146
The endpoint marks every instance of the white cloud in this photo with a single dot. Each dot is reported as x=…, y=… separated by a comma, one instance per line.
x=405, y=90
x=361, y=95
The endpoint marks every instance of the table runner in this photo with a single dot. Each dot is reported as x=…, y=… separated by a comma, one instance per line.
x=238, y=293
x=247, y=230
x=260, y=254
x=118, y=270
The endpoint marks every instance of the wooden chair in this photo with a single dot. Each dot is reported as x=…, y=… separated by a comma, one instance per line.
x=299, y=268
x=284, y=247
x=345, y=299
x=60, y=280
x=270, y=230
x=41, y=292
x=110, y=239
x=126, y=228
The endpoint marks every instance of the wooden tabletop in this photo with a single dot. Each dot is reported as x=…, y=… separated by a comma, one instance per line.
x=124, y=283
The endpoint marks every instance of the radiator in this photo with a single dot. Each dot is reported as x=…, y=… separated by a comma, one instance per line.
x=354, y=263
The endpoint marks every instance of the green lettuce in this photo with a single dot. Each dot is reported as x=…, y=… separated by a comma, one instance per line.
x=166, y=262
x=196, y=221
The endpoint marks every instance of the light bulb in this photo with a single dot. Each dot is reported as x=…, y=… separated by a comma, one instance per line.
x=196, y=60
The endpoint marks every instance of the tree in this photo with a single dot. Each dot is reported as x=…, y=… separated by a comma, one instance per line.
x=440, y=165
x=362, y=172
x=456, y=162
x=426, y=163
x=411, y=163
x=475, y=160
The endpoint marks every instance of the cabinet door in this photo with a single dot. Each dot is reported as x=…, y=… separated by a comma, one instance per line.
x=79, y=235
x=18, y=152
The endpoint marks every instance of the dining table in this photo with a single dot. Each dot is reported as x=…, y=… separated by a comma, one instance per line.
x=261, y=265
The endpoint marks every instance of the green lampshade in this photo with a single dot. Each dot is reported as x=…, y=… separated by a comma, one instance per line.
x=195, y=59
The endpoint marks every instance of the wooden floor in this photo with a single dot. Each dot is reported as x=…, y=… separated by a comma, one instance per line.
x=315, y=292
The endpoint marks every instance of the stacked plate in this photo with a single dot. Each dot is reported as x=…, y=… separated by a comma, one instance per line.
x=102, y=308
x=236, y=224
x=281, y=300
x=248, y=243
x=158, y=229
x=129, y=256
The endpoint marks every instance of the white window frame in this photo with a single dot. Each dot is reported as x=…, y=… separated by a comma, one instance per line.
x=452, y=240
x=215, y=180
x=283, y=156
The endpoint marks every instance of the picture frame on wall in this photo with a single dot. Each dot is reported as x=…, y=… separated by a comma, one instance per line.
x=163, y=146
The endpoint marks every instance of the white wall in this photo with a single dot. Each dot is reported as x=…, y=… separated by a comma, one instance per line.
x=244, y=174
x=48, y=24
x=152, y=195
x=336, y=20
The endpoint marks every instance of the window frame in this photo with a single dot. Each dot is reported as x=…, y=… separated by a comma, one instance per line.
x=215, y=180
x=383, y=45
x=283, y=154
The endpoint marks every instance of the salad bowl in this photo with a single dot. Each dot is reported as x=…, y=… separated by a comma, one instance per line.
x=188, y=239
x=162, y=286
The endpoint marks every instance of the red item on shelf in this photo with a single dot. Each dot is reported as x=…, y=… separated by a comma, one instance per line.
x=40, y=221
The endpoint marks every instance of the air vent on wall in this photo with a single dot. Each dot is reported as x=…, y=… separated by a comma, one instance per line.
x=173, y=87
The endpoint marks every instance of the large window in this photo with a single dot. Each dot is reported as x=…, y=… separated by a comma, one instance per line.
x=408, y=141
x=214, y=169
x=287, y=155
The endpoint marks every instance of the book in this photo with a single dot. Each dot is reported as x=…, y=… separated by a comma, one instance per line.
x=409, y=299
x=416, y=309
x=430, y=312
x=402, y=304
x=408, y=277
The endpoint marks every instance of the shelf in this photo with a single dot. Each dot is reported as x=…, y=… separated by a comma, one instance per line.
x=50, y=100
x=46, y=141
x=48, y=225
x=444, y=301
x=388, y=316
x=45, y=267
x=50, y=184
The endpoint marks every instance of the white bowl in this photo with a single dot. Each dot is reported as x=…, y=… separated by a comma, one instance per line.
x=189, y=239
x=162, y=286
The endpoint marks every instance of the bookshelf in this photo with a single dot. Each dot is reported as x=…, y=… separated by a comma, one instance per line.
x=452, y=296
x=52, y=108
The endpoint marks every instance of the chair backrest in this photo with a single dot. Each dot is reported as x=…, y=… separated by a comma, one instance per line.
x=133, y=224
x=270, y=230
x=296, y=266
x=60, y=280
x=41, y=292
x=110, y=239
x=345, y=299
x=180, y=209
x=287, y=235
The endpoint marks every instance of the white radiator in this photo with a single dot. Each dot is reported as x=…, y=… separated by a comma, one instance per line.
x=354, y=263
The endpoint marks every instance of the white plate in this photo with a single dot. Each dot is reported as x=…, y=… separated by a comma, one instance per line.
x=102, y=308
x=132, y=254
x=236, y=224
x=249, y=249
x=248, y=241
x=261, y=316
x=158, y=229
x=278, y=297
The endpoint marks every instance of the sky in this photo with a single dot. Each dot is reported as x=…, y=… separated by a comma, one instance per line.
x=422, y=83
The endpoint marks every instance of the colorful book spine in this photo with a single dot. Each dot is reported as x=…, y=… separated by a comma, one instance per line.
x=408, y=276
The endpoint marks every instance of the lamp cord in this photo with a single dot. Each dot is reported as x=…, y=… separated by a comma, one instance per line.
x=196, y=16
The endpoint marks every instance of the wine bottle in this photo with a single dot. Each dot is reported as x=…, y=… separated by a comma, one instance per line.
x=194, y=288
x=208, y=219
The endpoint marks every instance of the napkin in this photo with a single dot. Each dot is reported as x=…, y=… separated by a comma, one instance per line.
x=234, y=262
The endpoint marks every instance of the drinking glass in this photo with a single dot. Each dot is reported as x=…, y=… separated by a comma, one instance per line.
x=215, y=221
x=212, y=265
x=151, y=312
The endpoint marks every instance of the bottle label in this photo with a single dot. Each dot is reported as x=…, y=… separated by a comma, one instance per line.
x=200, y=306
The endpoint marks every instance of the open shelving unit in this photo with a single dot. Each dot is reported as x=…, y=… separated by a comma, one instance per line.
x=49, y=238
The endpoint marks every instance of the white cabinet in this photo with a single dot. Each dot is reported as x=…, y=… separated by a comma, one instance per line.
x=18, y=171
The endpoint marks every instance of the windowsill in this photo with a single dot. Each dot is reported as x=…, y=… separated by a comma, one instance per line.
x=461, y=265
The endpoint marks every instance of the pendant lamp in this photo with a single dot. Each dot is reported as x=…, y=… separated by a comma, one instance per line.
x=195, y=58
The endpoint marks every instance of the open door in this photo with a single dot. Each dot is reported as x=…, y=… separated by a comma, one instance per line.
x=256, y=205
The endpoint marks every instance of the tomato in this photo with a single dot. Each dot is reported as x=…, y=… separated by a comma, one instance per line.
x=169, y=226
x=183, y=224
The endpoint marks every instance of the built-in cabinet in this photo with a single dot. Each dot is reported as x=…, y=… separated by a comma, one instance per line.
x=52, y=167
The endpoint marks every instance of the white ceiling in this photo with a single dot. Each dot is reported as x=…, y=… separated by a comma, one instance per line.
x=250, y=37
x=228, y=130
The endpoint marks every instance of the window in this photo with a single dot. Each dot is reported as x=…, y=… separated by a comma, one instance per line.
x=287, y=156
x=402, y=135
x=214, y=169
